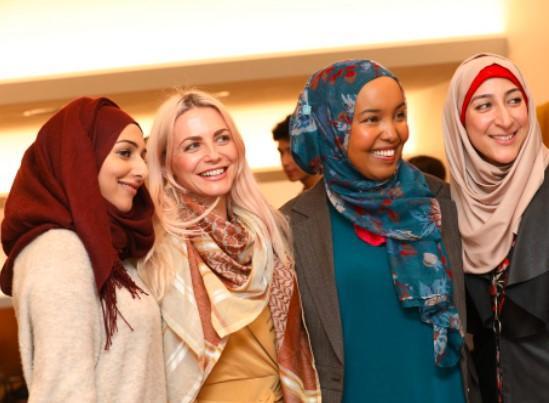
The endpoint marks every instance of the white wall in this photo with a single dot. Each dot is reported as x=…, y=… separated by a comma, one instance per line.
x=68, y=36
x=522, y=21
x=527, y=27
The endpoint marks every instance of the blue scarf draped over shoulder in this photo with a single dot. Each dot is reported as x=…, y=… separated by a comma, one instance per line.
x=402, y=208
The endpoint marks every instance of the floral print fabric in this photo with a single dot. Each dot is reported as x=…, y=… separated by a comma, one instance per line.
x=498, y=281
x=401, y=209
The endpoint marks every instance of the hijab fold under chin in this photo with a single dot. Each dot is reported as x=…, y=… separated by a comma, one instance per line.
x=490, y=199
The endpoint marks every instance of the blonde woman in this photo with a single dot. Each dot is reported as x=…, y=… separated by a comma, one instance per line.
x=221, y=266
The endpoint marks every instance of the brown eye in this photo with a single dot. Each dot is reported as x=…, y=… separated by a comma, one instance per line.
x=124, y=153
x=370, y=119
x=400, y=116
x=223, y=138
x=515, y=101
x=483, y=106
x=191, y=146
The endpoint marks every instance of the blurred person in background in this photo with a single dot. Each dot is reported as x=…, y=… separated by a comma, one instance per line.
x=293, y=172
x=429, y=165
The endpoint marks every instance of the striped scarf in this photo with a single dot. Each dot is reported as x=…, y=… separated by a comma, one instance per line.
x=226, y=276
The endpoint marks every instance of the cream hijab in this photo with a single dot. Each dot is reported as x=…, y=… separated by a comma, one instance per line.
x=490, y=199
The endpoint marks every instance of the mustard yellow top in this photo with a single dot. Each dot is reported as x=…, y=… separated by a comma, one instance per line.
x=247, y=371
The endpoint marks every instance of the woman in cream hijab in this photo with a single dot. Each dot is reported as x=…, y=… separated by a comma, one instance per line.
x=498, y=164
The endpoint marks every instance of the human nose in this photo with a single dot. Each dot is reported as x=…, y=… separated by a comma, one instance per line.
x=212, y=153
x=503, y=117
x=390, y=132
x=286, y=159
x=140, y=169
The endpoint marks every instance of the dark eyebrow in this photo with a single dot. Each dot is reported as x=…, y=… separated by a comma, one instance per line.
x=511, y=91
x=133, y=143
x=199, y=138
x=491, y=95
x=369, y=111
x=372, y=110
x=481, y=96
x=221, y=131
x=191, y=138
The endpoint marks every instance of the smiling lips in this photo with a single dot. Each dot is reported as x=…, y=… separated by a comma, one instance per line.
x=503, y=139
x=132, y=187
x=213, y=174
x=385, y=154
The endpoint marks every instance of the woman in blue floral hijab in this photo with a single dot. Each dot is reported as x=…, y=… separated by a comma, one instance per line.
x=376, y=248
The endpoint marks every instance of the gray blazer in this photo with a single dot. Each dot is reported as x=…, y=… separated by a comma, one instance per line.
x=310, y=222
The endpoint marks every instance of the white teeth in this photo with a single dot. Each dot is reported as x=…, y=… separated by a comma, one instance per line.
x=213, y=172
x=504, y=138
x=384, y=153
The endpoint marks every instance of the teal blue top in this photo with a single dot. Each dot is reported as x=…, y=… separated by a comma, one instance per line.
x=389, y=353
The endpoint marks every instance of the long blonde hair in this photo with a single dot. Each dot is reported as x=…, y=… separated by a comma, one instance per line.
x=157, y=268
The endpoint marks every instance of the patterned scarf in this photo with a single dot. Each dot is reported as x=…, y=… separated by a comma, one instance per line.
x=234, y=276
x=401, y=209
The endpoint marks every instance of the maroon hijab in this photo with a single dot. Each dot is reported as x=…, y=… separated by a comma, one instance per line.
x=57, y=187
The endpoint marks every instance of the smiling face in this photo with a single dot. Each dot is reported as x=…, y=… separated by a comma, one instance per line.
x=379, y=129
x=496, y=120
x=204, y=159
x=124, y=170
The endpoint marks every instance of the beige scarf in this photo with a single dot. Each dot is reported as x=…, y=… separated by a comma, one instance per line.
x=226, y=275
x=490, y=199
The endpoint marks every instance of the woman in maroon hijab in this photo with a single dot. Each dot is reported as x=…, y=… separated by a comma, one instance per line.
x=75, y=219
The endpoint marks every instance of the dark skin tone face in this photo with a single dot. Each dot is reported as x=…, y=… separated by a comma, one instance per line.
x=379, y=129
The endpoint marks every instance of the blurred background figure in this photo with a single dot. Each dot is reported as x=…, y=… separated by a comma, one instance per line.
x=542, y=112
x=281, y=135
x=429, y=165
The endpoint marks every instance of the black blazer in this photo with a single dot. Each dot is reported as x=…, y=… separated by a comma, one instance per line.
x=525, y=318
x=310, y=222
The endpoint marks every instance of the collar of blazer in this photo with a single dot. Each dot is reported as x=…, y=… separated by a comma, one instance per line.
x=310, y=222
x=531, y=253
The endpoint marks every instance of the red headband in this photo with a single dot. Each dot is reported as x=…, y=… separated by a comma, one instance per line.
x=492, y=71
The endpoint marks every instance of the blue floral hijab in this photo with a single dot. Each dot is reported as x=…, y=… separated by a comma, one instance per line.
x=401, y=209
